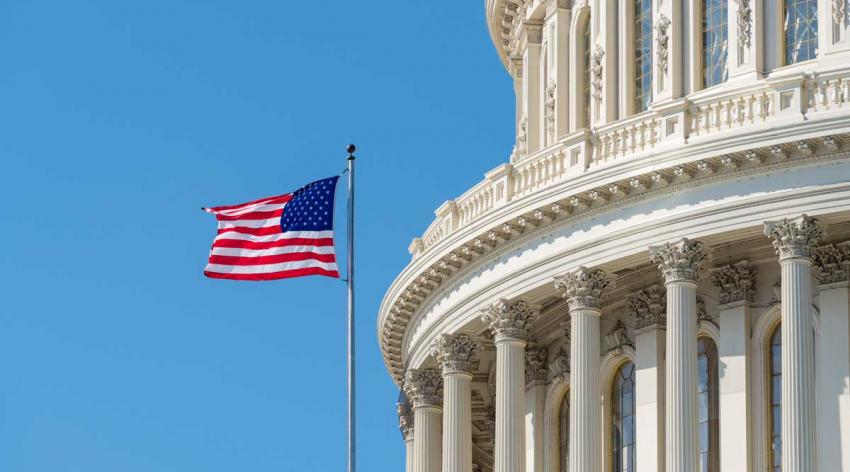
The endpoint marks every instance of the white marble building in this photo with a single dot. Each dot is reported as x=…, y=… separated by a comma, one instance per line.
x=657, y=280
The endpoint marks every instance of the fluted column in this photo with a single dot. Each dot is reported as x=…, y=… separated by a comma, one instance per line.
x=405, y=422
x=509, y=322
x=424, y=389
x=793, y=240
x=457, y=353
x=583, y=290
x=681, y=265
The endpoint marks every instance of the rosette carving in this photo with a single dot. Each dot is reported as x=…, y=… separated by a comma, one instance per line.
x=424, y=387
x=832, y=263
x=648, y=307
x=684, y=260
x=794, y=238
x=456, y=353
x=535, y=365
x=584, y=288
x=735, y=283
x=510, y=319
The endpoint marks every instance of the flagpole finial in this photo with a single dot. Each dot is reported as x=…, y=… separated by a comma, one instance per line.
x=350, y=150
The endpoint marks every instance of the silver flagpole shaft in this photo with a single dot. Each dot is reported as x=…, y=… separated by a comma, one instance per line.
x=351, y=429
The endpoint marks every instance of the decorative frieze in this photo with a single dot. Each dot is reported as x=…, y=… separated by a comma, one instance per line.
x=648, y=307
x=735, y=282
x=617, y=337
x=424, y=387
x=795, y=237
x=584, y=288
x=832, y=263
x=509, y=319
x=535, y=365
x=684, y=260
x=456, y=353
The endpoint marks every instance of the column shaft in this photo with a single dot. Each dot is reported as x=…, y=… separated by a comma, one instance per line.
x=798, y=412
x=585, y=411
x=834, y=400
x=681, y=377
x=735, y=428
x=510, y=400
x=649, y=399
x=408, y=456
x=426, y=438
x=457, y=423
x=535, y=399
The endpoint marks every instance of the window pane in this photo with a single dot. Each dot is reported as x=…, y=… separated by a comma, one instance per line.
x=623, y=420
x=714, y=42
x=586, y=46
x=707, y=403
x=643, y=54
x=801, y=30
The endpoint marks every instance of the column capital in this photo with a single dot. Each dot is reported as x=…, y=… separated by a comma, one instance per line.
x=405, y=417
x=681, y=261
x=794, y=238
x=535, y=365
x=509, y=319
x=832, y=263
x=456, y=353
x=584, y=288
x=648, y=307
x=735, y=282
x=424, y=387
x=533, y=31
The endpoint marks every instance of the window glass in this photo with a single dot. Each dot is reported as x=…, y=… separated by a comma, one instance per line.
x=801, y=30
x=643, y=54
x=623, y=419
x=714, y=42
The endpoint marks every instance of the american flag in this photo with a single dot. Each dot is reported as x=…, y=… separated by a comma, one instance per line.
x=276, y=237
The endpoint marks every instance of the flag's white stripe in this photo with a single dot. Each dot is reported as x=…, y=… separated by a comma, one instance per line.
x=262, y=269
x=252, y=208
x=249, y=223
x=276, y=237
x=233, y=251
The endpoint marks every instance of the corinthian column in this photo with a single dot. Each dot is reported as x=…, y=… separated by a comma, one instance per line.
x=405, y=423
x=456, y=354
x=681, y=265
x=793, y=240
x=424, y=389
x=509, y=322
x=583, y=291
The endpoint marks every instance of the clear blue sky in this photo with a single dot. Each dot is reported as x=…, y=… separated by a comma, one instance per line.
x=118, y=120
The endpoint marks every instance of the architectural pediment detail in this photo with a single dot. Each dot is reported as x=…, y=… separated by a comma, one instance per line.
x=794, y=237
x=735, y=282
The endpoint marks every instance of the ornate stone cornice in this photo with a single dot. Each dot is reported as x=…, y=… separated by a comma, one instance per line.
x=405, y=417
x=648, y=307
x=456, y=353
x=583, y=288
x=682, y=261
x=795, y=237
x=509, y=319
x=535, y=365
x=832, y=263
x=424, y=387
x=735, y=283
x=618, y=337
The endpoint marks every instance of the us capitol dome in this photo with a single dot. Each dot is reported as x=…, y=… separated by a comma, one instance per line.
x=656, y=278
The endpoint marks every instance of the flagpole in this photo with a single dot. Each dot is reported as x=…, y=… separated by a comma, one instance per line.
x=350, y=280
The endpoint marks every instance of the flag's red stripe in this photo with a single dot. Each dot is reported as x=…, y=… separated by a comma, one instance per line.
x=268, y=200
x=243, y=244
x=254, y=215
x=275, y=275
x=274, y=259
x=264, y=231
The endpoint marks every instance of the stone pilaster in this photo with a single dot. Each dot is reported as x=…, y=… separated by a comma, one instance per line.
x=681, y=264
x=457, y=353
x=424, y=389
x=794, y=240
x=584, y=290
x=536, y=374
x=509, y=322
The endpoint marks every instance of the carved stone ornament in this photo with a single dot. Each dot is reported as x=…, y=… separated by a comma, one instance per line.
x=533, y=31
x=424, y=387
x=832, y=263
x=702, y=312
x=549, y=113
x=584, y=288
x=735, y=283
x=617, y=337
x=456, y=353
x=794, y=238
x=535, y=365
x=596, y=72
x=510, y=319
x=839, y=12
x=405, y=417
x=745, y=13
x=560, y=366
x=684, y=260
x=662, y=42
x=522, y=136
x=648, y=307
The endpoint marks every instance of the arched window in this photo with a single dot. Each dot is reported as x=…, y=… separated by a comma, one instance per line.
x=643, y=54
x=708, y=405
x=775, y=397
x=623, y=419
x=564, y=433
x=801, y=30
x=586, y=59
x=714, y=42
